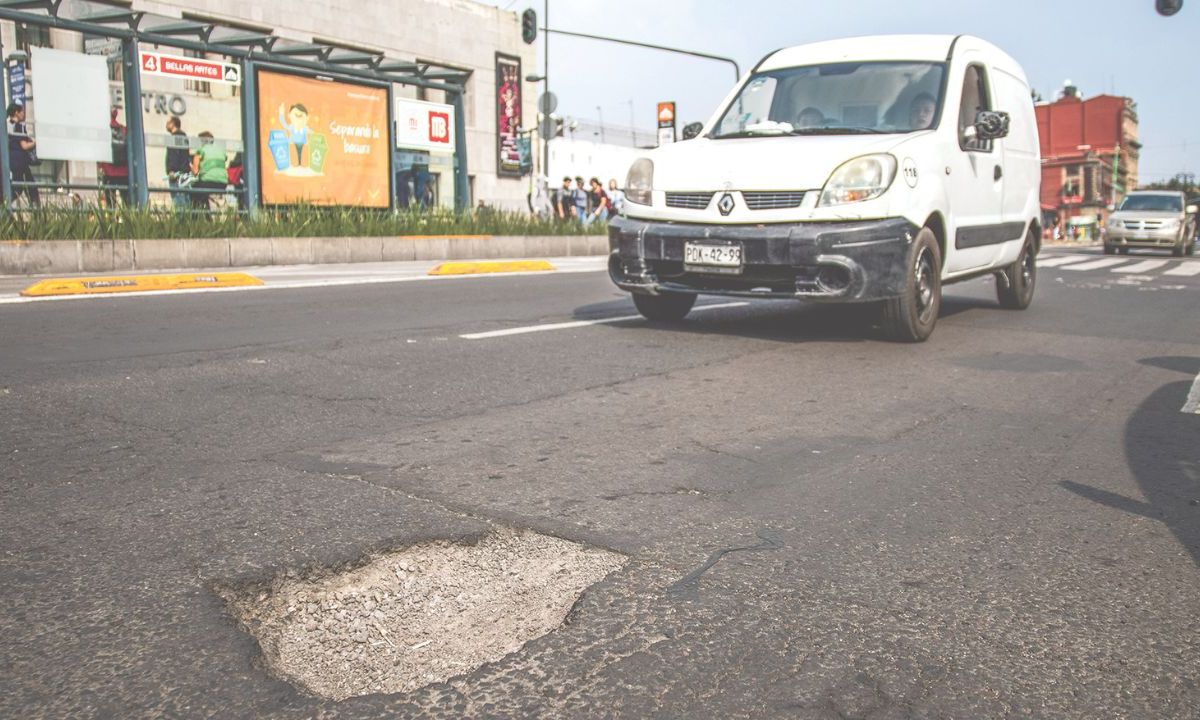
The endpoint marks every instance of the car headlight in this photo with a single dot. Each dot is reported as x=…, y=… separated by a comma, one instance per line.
x=640, y=182
x=1114, y=222
x=1170, y=224
x=863, y=178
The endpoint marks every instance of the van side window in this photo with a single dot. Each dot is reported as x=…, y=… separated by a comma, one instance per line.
x=974, y=98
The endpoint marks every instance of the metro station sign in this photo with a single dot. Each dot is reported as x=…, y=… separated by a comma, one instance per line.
x=190, y=68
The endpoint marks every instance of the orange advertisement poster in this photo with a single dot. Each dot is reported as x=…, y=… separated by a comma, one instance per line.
x=322, y=142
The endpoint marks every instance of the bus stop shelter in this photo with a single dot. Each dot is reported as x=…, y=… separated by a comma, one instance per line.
x=251, y=53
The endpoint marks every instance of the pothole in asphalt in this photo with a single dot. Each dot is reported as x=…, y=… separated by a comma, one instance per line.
x=418, y=615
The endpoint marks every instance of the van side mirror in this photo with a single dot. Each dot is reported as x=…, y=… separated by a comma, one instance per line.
x=991, y=125
x=691, y=130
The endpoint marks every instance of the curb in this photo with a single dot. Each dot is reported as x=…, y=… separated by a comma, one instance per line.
x=495, y=266
x=137, y=283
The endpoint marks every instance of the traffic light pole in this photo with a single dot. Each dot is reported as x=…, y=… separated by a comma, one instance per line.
x=546, y=80
x=736, y=70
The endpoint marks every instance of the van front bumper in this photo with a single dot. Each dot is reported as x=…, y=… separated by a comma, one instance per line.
x=852, y=261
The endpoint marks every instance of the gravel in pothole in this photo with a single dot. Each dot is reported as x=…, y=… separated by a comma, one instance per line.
x=418, y=615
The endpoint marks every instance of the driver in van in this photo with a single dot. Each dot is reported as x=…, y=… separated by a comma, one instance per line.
x=810, y=117
x=921, y=111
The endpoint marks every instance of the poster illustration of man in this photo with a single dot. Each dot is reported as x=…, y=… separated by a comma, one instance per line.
x=508, y=114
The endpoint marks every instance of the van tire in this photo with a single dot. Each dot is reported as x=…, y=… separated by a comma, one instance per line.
x=1180, y=249
x=1015, y=284
x=1110, y=249
x=665, y=307
x=912, y=316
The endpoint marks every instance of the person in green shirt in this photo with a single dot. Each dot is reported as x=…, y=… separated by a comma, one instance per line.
x=208, y=165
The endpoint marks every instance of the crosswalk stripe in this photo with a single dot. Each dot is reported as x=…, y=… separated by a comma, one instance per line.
x=1144, y=266
x=1185, y=269
x=1054, y=260
x=1095, y=264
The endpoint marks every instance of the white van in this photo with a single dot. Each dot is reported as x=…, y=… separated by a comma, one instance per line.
x=856, y=170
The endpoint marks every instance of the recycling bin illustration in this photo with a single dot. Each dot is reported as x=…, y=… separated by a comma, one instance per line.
x=317, y=148
x=281, y=149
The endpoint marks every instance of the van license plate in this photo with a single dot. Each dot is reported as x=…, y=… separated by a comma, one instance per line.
x=717, y=256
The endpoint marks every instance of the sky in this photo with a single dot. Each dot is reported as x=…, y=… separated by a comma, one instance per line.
x=1120, y=47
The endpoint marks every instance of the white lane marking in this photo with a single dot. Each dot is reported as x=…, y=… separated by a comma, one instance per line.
x=1144, y=266
x=1095, y=264
x=1185, y=269
x=1192, y=406
x=272, y=285
x=579, y=323
x=1054, y=260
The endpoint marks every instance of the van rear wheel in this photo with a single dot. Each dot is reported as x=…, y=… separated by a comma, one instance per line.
x=911, y=317
x=665, y=307
x=1015, y=284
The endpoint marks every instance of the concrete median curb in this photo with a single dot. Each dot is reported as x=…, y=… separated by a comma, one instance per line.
x=45, y=257
x=137, y=283
x=491, y=266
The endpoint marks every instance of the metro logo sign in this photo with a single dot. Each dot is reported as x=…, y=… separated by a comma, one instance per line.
x=422, y=125
x=439, y=127
x=191, y=68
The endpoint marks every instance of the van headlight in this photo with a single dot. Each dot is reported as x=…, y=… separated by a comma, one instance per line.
x=639, y=184
x=863, y=178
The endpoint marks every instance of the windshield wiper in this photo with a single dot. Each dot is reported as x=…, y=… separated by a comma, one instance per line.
x=750, y=133
x=847, y=130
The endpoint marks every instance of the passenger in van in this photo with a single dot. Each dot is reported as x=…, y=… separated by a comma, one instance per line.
x=810, y=117
x=921, y=111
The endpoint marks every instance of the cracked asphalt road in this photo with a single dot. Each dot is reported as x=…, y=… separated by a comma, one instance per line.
x=1001, y=522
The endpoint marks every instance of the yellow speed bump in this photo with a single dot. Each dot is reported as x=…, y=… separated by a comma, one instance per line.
x=491, y=266
x=137, y=283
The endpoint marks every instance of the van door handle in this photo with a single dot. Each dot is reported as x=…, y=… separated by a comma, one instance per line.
x=998, y=173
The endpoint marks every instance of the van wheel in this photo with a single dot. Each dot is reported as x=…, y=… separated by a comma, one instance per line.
x=911, y=317
x=1179, y=249
x=1015, y=284
x=667, y=307
x=1124, y=250
x=1110, y=250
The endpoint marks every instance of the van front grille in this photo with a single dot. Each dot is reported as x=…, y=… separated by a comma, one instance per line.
x=772, y=199
x=689, y=200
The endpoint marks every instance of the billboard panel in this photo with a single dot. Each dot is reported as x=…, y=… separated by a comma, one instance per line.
x=323, y=142
x=508, y=114
x=424, y=125
x=72, y=110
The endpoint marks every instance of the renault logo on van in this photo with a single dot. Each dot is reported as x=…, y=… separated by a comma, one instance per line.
x=725, y=204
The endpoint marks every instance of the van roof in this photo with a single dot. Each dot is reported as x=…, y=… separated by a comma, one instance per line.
x=927, y=48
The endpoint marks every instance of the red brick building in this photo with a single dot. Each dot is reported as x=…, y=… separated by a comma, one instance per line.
x=1089, y=158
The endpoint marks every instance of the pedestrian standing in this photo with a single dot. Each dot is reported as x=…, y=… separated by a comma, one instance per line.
x=179, y=165
x=580, y=195
x=208, y=165
x=616, y=198
x=564, y=201
x=22, y=153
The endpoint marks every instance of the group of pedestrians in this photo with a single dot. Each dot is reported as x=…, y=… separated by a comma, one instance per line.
x=585, y=204
x=206, y=167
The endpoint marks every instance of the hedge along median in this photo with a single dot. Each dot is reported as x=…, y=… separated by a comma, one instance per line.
x=63, y=241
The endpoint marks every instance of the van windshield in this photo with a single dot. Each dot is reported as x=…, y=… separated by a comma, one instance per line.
x=837, y=99
x=1165, y=203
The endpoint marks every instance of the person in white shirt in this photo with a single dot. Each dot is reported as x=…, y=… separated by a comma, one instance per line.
x=616, y=197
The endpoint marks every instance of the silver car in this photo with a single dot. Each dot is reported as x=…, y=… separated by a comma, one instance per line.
x=1152, y=219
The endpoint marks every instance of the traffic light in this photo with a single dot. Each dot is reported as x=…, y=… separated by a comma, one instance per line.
x=1168, y=7
x=529, y=26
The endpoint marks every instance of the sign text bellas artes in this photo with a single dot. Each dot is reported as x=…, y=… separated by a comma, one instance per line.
x=188, y=68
